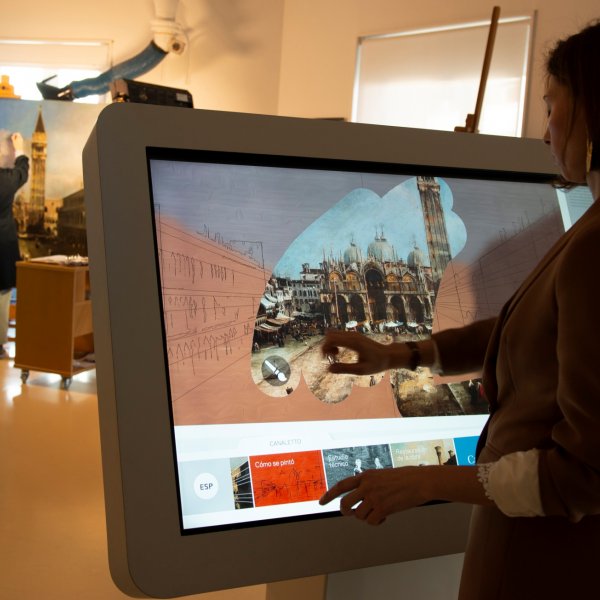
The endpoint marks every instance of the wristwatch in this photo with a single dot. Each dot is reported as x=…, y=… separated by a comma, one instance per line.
x=415, y=355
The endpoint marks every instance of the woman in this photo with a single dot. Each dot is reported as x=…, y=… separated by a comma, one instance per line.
x=535, y=530
x=14, y=169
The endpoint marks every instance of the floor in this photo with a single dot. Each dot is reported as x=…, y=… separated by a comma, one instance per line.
x=52, y=536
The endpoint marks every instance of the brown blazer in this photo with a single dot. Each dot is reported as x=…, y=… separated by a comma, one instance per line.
x=541, y=374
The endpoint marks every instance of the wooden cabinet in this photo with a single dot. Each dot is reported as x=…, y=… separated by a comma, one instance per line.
x=54, y=319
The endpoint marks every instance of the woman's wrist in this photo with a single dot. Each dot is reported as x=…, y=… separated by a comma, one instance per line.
x=410, y=355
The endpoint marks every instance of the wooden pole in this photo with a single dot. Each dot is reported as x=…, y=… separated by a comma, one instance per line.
x=472, y=122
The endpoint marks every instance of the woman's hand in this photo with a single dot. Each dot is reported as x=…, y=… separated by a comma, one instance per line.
x=17, y=140
x=375, y=494
x=373, y=357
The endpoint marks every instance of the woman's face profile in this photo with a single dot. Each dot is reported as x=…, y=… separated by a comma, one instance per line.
x=565, y=132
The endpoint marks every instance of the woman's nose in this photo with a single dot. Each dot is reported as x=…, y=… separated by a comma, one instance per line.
x=547, y=136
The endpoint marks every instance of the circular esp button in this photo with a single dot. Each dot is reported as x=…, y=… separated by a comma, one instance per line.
x=206, y=486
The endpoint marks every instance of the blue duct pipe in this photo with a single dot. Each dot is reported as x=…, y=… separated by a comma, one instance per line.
x=141, y=63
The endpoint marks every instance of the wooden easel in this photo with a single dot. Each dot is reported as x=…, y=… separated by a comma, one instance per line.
x=6, y=89
x=472, y=121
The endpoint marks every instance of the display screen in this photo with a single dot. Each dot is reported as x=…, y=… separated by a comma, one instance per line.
x=258, y=256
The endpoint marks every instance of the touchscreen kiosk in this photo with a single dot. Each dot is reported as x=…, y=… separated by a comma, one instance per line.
x=222, y=247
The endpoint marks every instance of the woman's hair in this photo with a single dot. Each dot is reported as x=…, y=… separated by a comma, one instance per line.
x=7, y=150
x=575, y=63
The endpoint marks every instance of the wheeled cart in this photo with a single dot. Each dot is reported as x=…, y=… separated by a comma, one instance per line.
x=54, y=319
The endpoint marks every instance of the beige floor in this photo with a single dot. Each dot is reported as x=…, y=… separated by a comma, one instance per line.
x=52, y=538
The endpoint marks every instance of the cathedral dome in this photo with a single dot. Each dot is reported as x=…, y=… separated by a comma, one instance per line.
x=415, y=258
x=380, y=249
x=352, y=254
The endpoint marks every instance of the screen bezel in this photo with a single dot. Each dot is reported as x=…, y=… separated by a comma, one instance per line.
x=147, y=552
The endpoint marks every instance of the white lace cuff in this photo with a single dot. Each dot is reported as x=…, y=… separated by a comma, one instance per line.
x=513, y=484
x=483, y=475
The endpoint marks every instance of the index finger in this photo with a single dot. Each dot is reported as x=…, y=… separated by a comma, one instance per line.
x=341, y=487
x=335, y=339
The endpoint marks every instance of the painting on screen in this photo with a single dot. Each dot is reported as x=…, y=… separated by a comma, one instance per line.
x=257, y=262
x=371, y=264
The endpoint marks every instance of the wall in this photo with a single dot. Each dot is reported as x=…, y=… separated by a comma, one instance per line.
x=289, y=57
x=319, y=44
x=232, y=61
x=292, y=57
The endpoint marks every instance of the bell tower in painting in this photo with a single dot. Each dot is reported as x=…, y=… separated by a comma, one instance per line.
x=39, y=144
x=435, y=227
